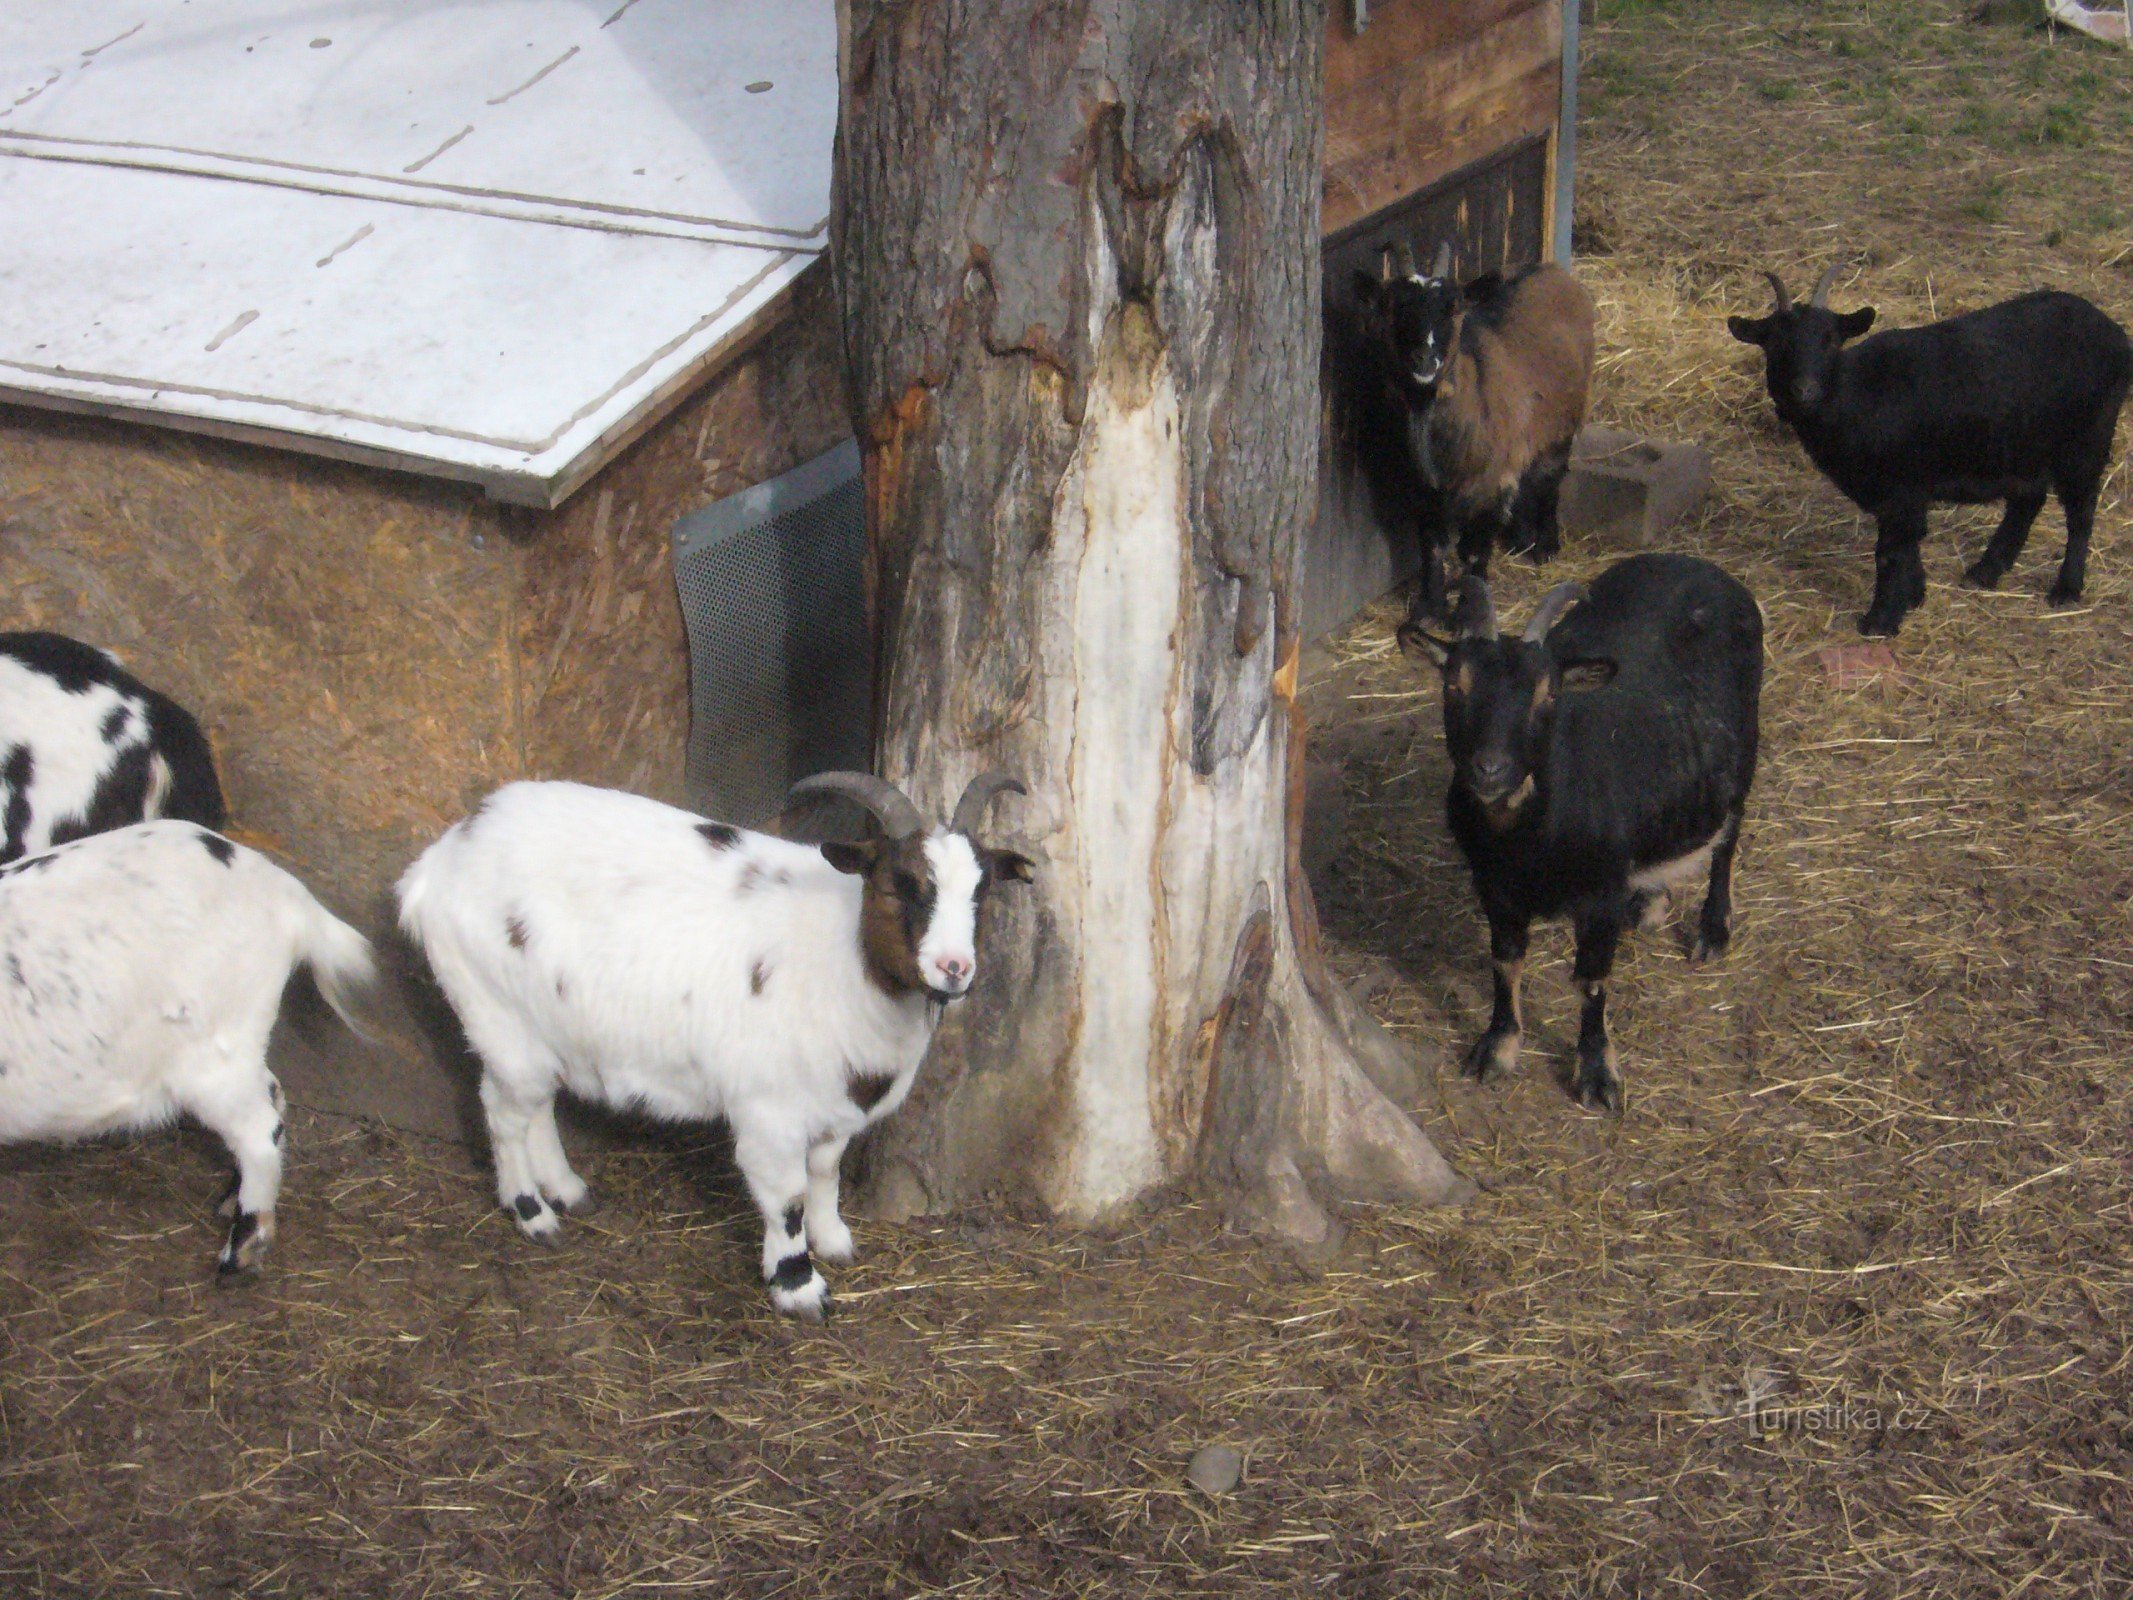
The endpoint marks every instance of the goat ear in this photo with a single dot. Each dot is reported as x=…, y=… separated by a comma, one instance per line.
x=1592, y=672
x=1854, y=323
x=1010, y=866
x=1749, y=330
x=857, y=859
x=1423, y=646
x=1485, y=287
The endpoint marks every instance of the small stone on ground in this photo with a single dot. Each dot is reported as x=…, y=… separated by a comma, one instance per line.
x=1848, y=665
x=1215, y=1468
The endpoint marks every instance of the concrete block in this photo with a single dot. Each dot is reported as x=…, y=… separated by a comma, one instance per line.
x=1620, y=483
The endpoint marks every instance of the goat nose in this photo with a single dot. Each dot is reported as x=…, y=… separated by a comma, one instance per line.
x=955, y=969
x=1492, y=777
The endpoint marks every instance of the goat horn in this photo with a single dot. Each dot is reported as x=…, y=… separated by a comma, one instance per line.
x=1784, y=300
x=1403, y=255
x=1820, y=298
x=1477, y=609
x=1553, y=604
x=898, y=817
x=970, y=810
x=1386, y=267
x=1442, y=266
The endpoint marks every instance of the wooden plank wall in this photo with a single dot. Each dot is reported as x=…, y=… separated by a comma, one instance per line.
x=1429, y=87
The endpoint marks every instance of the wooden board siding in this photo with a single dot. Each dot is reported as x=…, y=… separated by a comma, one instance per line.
x=1494, y=214
x=1430, y=87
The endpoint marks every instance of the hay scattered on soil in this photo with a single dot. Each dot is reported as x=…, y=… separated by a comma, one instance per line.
x=1874, y=1176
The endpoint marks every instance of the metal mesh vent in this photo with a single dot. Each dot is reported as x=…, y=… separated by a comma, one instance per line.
x=773, y=596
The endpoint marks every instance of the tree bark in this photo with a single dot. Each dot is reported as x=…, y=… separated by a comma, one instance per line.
x=1077, y=253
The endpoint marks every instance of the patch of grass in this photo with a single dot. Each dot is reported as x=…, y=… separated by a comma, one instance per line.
x=2064, y=123
x=2102, y=217
x=2009, y=13
x=1987, y=204
x=1776, y=90
x=1985, y=121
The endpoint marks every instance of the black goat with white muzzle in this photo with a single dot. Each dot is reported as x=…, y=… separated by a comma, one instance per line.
x=1599, y=763
x=2007, y=403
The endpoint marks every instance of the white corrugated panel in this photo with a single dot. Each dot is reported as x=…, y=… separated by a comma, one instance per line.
x=488, y=240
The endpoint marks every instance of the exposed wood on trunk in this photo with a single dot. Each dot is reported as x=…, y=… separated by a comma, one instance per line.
x=1078, y=256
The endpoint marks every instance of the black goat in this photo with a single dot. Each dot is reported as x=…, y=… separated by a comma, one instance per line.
x=1491, y=382
x=1599, y=763
x=2000, y=404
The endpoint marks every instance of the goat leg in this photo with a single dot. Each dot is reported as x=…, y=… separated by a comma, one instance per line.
x=1496, y=1051
x=1714, y=925
x=1899, y=574
x=2006, y=543
x=1477, y=536
x=1536, y=520
x=1598, y=1085
x=2080, y=507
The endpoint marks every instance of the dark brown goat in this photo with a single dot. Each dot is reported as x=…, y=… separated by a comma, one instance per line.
x=1493, y=378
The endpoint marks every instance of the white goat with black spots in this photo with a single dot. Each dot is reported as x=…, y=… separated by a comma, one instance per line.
x=86, y=747
x=141, y=971
x=646, y=958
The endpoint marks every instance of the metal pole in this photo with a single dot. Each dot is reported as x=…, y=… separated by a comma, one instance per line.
x=1566, y=134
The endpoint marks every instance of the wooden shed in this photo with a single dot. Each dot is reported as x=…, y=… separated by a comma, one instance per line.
x=372, y=650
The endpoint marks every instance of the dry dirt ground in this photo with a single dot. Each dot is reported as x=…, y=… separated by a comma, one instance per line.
x=1874, y=1178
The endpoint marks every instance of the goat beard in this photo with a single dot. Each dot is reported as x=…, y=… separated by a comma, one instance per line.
x=1502, y=813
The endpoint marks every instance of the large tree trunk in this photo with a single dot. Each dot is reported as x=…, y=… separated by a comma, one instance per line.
x=1077, y=244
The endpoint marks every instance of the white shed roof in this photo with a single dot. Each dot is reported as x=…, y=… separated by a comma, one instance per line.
x=487, y=239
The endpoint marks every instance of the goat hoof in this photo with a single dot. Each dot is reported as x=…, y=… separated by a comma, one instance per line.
x=1708, y=945
x=1600, y=1095
x=586, y=1205
x=236, y=1274
x=1983, y=575
x=1493, y=1055
x=833, y=1245
x=535, y=1220
x=1880, y=624
x=2061, y=595
x=1599, y=1086
x=808, y=1303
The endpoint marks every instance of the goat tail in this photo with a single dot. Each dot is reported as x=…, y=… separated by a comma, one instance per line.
x=413, y=892
x=342, y=965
